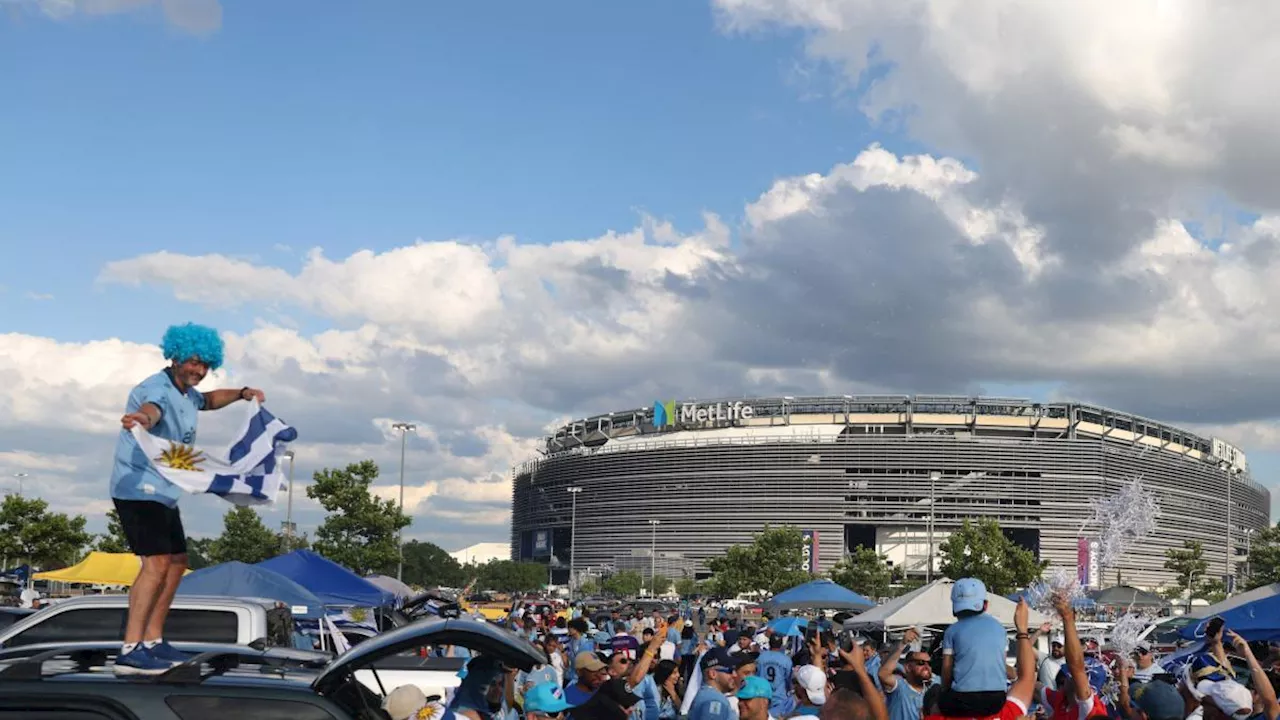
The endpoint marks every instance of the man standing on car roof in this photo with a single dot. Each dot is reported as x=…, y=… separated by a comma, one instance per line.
x=166, y=405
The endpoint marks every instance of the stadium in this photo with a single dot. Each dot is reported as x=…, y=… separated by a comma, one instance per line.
x=665, y=487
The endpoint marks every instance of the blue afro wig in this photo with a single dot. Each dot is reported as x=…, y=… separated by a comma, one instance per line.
x=183, y=342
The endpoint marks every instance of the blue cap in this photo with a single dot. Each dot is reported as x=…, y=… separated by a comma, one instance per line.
x=1159, y=700
x=718, y=657
x=755, y=687
x=968, y=594
x=547, y=698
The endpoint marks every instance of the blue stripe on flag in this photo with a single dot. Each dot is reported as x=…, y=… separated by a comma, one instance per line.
x=257, y=426
x=222, y=484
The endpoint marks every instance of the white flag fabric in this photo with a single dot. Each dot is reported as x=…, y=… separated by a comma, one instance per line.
x=246, y=473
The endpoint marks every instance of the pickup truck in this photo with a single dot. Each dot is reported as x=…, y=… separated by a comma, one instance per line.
x=192, y=618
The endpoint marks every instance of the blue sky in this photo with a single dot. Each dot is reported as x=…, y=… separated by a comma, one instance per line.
x=352, y=126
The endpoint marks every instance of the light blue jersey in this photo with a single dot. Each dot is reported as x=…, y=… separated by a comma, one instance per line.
x=132, y=477
x=905, y=702
x=978, y=644
x=775, y=667
x=711, y=704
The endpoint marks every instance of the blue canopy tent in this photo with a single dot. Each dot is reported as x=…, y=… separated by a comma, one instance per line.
x=819, y=595
x=1257, y=619
x=237, y=579
x=335, y=585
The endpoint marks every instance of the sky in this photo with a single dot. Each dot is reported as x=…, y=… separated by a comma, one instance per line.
x=488, y=218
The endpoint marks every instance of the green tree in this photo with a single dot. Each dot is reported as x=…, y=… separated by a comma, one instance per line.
x=623, y=584
x=686, y=587
x=588, y=588
x=288, y=544
x=244, y=538
x=660, y=584
x=198, y=552
x=980, y=550
x=1263, y=567
x=1190, y=567
x=360, y=530
x=510, y=576
x=771, y=563
x=30, y=533
x=865, y=571
x=428, y=565
x=113, y=540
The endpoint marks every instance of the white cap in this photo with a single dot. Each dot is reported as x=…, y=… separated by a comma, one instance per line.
x=814, y=682
x=404, y=701
x=1230, y=697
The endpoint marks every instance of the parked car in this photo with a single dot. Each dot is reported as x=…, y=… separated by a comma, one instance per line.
x=195, y=618
x=73, y=683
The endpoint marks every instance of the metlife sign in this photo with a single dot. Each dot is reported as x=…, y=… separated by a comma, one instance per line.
x=667, y=413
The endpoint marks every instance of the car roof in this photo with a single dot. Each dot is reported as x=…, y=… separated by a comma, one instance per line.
x=178, y=600
x=227, y=664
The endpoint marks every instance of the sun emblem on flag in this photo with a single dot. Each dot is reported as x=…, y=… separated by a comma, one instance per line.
x=180, y=457
x=430, y=711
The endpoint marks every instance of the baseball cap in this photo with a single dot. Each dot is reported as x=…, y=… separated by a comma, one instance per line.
x=624, y=644
x=403, y=702
x=1058, y=639
x=814, y=682
x=587, y=660
x=546, y=698
x=968, y=594
x=1230, y=697
x=718, y=657
x=755, y=687
x=1159, y=700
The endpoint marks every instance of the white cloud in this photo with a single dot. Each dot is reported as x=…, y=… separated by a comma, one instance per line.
x=39, y=296
x=195, y=16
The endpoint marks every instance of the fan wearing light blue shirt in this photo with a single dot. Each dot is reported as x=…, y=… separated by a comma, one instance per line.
x=775, y=667
x=975, y=677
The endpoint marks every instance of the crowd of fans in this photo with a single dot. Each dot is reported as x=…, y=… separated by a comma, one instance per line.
x=685, y=666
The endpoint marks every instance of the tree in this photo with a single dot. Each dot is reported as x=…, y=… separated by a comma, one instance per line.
x=864, y=570
x=624, y=584
x=30, y=533
x=686, y=587
x=198, y=552
x=771, y=563
x=1263, y=567
x=288, y=544
x=244, y=538
x=511, y=576
x=588, y=588
x=659, y=584
x=428, y=565
x=360, y=530
x=113, y=541
x=980, y=550
x=1189, y=566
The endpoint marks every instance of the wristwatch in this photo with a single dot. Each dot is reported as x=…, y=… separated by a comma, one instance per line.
x=242, y=391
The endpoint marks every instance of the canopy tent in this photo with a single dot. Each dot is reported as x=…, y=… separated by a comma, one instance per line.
x=237, y=579
x=819, y=595
x=100, y=568
x=391, y=585
x=1236, y=601
x=1128, y=597
x=329, y=581
x=931, y=605
x=20, y=573
x=1255, y=620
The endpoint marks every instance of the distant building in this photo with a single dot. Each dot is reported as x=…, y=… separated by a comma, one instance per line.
x=481, y=553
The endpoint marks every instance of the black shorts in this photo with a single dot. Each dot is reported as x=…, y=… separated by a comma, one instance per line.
x=971, y=704
x=151, y=528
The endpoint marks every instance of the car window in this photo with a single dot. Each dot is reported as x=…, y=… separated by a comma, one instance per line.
x=215, y=707
x=54, y=714
x=74, y=625
x=202, y=626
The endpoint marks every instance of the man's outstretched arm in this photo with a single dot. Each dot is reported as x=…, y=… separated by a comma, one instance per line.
x=218, y=399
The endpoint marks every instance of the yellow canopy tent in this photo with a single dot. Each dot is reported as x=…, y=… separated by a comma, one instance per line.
x=100, y=568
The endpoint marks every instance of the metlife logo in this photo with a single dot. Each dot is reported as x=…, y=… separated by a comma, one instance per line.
x=664, y=413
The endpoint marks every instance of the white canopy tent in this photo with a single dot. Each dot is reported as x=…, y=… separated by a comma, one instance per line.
x=931, y=605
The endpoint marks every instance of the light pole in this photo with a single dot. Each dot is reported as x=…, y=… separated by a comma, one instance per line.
x=288, y=513
x=928, y=568
x=19, y=476
x=573, y=537
x=653, y=557
x=404, y=429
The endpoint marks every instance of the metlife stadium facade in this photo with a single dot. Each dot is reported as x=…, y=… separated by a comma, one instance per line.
x=865, y=471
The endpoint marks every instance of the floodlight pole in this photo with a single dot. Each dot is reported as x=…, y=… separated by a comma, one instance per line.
x=573, y=537
x=288, y=513
x=928, y=568
x=653, y=557
x=19, y=476
x=404, y=429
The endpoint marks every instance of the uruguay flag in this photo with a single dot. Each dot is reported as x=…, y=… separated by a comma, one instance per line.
x=247, y=473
